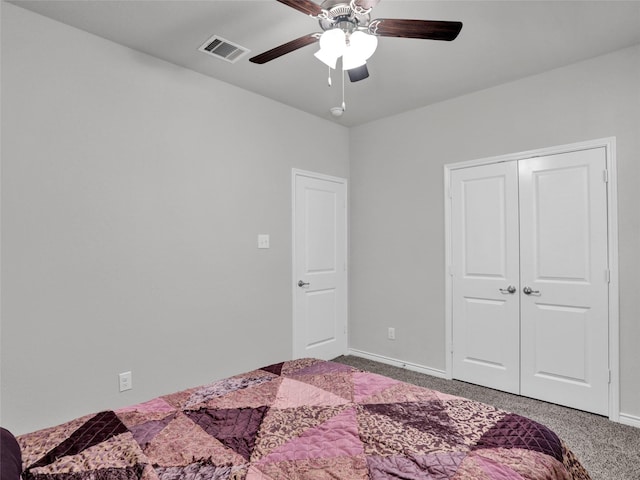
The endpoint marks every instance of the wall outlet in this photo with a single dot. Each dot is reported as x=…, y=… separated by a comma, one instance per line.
x=391, y=333
x=263, y=240
x=126, y=382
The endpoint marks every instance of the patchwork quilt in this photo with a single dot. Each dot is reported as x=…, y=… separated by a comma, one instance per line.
x=301, y=420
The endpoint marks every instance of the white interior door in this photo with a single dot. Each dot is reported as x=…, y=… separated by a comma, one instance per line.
x=486, y=328
x=538, y=224
x=564, y=278
x=319, y=266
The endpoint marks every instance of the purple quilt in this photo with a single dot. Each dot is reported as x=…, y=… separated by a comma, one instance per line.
x=299, y=420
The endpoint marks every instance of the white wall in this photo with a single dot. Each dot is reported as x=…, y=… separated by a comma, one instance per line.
x=397, y=198
x=132, y=195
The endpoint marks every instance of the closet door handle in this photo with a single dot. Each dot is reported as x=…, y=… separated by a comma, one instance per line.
x=528, y=291
x=510, y=289
x=302, y=284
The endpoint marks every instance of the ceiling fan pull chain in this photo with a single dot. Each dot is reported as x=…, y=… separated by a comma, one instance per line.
x=344, y=105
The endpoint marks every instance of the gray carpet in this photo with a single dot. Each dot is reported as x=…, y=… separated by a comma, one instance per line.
x=609, y=451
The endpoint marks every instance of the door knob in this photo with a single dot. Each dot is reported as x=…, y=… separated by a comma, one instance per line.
x=302, y=284
x=510, y=289
x=528, y=291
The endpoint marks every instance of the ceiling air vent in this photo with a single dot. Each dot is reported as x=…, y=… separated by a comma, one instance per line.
x=224, y=49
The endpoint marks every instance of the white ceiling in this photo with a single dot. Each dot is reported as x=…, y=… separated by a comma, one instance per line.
x=500, y=41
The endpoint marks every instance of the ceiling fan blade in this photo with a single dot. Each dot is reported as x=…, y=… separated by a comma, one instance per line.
x=358, y=73
x=304, y=6
x=367, y=4
x=284, y=49
x=424, y=29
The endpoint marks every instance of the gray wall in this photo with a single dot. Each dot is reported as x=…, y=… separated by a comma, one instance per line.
x=397, y=198
x=132, y=195
x=133, y=191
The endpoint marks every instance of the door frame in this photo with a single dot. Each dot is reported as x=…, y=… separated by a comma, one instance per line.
x=609, y=144
x=295, y=173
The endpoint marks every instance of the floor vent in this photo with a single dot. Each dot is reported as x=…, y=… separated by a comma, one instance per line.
x=224, y=49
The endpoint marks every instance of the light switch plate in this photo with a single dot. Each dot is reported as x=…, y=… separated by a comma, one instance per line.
x=263, y=240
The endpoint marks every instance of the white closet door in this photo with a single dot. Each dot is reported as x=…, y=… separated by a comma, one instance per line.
x=564, y=291
x=486, y=333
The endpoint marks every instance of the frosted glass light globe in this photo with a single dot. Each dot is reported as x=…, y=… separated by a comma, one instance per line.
x=352, y=59
x=332, y=45
x=364, y=44
x=333, y=41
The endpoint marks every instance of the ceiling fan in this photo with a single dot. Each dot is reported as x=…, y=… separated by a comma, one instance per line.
x=349, y=32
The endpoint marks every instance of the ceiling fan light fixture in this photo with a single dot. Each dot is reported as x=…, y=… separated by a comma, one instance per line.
x=354, y=48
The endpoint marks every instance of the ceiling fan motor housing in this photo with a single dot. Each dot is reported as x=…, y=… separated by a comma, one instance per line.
x=338, y=14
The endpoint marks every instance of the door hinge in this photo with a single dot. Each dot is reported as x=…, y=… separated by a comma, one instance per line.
x=605, y=176
x=607, y=274
x=609, y=380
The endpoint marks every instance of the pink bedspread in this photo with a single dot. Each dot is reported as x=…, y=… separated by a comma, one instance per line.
x=302, y=419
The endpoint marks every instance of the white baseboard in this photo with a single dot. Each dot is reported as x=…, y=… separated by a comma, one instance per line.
x=399, y=363
x=630, y=420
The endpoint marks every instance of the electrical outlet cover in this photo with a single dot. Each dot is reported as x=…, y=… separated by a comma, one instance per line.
x=263, y=240
x=125, y=379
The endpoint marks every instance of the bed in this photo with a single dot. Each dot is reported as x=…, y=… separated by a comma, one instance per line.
x=301, y=419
